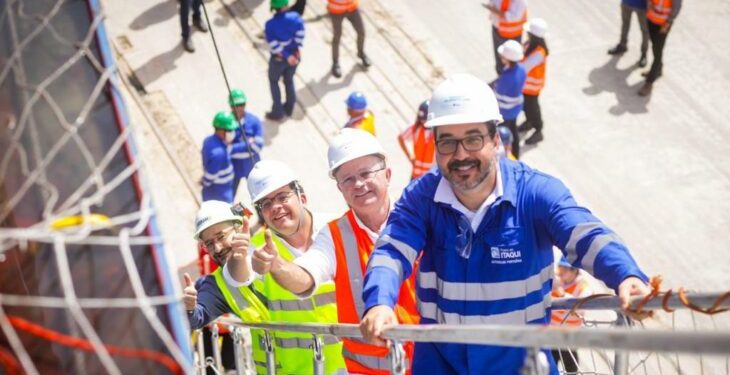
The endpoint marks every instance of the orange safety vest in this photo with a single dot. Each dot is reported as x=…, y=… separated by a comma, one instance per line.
x=559, y=317
x=352, y=250
x=424, y=148
x=658, y=11
x=536, y=76
x=366, y=122
x=342, y=6
x=510, y=29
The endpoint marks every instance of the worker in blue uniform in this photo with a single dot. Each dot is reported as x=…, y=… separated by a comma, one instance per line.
x=249, y=139
x=508, y=89
x=486, y=226
x=285, y=34
x=217, y=167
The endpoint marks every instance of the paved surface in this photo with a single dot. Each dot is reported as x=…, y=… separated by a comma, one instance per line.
x=655, y=169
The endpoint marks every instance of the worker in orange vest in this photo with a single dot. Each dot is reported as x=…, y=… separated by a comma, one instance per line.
x=508, y=17
x=535, y=60
x=338, y=11
x=360, y=116
x=418, y=144
x=569, y=283
x=341, y=250
x=660, y=15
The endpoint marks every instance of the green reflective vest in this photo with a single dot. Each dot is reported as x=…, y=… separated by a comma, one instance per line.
x=293, y=350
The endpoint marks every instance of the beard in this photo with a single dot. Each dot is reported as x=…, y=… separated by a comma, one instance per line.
x=469, y=183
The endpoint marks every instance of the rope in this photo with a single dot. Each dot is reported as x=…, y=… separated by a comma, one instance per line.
x=85, y=345
x=9, y=363
x=215, y=45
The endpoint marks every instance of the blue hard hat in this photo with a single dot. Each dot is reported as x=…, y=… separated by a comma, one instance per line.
x=505, y=134
x=563, y=262
x=357, y=101
x=423, y=111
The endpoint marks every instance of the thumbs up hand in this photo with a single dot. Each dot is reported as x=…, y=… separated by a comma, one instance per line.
x=266, y=259
x=240, y=241
x=190, y=294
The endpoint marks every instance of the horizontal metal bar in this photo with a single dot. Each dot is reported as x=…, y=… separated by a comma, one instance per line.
x=704, y=300
x=528, y=336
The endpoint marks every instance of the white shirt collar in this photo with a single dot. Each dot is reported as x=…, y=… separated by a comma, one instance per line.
x=445, y=194
x=373, y=235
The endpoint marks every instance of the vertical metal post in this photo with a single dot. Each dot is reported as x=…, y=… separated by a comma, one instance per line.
x=201, y=352
x=270, y=358
x=318, y=355
x=621, y=357
x=214, y=342
x=397, y=358
x=239, y=350
x=536, y=363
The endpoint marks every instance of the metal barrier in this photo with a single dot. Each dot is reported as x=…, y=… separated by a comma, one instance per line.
x=611, y=332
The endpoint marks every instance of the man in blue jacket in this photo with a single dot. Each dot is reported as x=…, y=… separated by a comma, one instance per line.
x=285, y=35
x=508, y=89
x=249, y=138
x=487, y=226
x=217, y=167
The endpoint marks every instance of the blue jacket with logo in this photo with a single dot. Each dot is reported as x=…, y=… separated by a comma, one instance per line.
x=507, y=279
x=508, y=90
x=285, y=33
x=217, y=170
x=247, y=146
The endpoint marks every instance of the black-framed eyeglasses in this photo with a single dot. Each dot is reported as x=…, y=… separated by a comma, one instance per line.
x=470, y=143
x=281, y=198
x=220, y=237
x=365, y=176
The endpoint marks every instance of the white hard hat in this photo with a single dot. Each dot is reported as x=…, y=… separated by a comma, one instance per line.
x=511, y=50
x=351, y=144
x=267, y=176
x=212, y=213
x=537, y=27
x=462, y=99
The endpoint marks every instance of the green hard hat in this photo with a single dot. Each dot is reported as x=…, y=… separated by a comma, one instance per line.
x=278, y=4
x=238, y=97
x=224, y=120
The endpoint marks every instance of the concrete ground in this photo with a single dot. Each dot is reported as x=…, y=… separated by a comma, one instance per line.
x=656, y=169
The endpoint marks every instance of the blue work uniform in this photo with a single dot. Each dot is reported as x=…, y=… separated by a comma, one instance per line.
x=246, y=149
x=285, y=34
x=210, y=305
x=508, y=90
x=506, y=278
x=217, y=170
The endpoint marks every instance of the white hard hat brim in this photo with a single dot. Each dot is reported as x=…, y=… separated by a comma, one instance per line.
x=202, y=229
x=460, y=118
x=269, y=189
x=345, y=161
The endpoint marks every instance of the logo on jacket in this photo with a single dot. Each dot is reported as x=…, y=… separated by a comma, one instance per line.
x=502, y=255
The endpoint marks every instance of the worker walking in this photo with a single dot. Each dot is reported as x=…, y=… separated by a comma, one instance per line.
x=628, y=7
x=285, y=34
x=246, y=149
x=508, y=89
x=360, y=116
x=417, y=143
x=289, y=230
x=218, y=174
x=508, y=17
x=338, y=11
x=483, y=228
x=341, y=249
x=660, y=15
x=535, y=61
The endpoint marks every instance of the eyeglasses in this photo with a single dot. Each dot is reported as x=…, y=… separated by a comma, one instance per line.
x=281, y=198
x=365, y=176
x=222, y=236
x=470, y=143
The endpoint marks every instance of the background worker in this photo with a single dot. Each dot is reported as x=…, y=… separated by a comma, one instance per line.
x=218, y=173
x=486, y=226
x=341, y=250
x=417, y=143
x=249, y=140
x=285, y=34
x=628, y=7
x=360, y=116
x=505, y=136
x=508, y=89
x=508, y=18
x=198, y=21
x=660, y=15
x=289, y=230
x=535, y=61
x=338, y=11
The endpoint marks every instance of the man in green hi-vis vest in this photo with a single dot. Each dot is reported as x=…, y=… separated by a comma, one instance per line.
x=280, y=203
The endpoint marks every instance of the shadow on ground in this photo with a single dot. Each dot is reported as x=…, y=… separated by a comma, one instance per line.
x=609, y=78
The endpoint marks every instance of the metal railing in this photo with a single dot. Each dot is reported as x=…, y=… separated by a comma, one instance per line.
x=621, y=338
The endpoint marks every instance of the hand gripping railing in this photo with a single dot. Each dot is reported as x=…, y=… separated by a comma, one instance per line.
x=621, y=339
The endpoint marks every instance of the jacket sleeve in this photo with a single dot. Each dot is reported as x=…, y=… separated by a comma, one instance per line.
x=211, y=303
x=258, y=133
x=217, y=169
x=585, y=241
x=396, y=250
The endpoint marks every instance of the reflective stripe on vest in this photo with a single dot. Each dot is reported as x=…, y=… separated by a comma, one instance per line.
x=242, y=301
x=298, y=342
x=658, y=11
x=560, y=317
x=342, y=6
x=510, y=29
x=536, y=76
